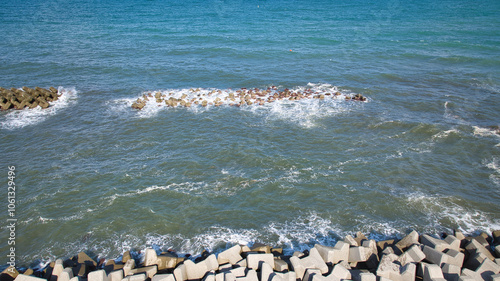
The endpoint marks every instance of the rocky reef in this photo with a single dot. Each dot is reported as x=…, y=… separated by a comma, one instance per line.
x=27, y=97
x=240, y=97
x=414, y=257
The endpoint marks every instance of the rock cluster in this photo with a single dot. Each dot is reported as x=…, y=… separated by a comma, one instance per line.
x=27, y=97
x=414, y=257
x=239, y=97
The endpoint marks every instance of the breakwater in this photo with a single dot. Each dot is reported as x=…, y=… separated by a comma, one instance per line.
x=27, y=97
x=414, y=257
x=239, y=97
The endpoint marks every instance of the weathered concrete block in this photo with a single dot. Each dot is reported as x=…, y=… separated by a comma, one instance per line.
x=474, y=246
x=455, y=257
x=408, y=272
x=360, y=237
x=334, y=254
x=168, y=261
x=453, y=241
x=435, y=243
x=474, y=261
x=359, y=254
x=471, y=274
x=497, y=252
x=495, y=277
x=231, y=255
x=116, y=275
x=261, y=248
x=150, y=257
x=198, y=270
x=280, y=265
x=310, y=272
x=340, y=272
x=268, y=274
x=413, y=254
x=370, y=244
x=487, y=269
x=98, y=275
x=137, y=277
x=387, y=268
x=150, y=271
x=180, y=273
x=129, y=265
x=242, y=263
x=254, y=260
x=314, y=260
x=351, y=241
x=408, y=240
x=84, y=258
x=434, y=256
x=67, y=274
x=432, y=272
x=451, y=272
x=58, y=267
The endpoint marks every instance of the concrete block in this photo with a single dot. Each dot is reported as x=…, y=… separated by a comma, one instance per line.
x=242, y=263
x=84, y=258
x=250, y=276
x=116, y=275
x=314, y=260
x=198, y=270
x=210, y=276
x=453, y=241
x=254, y=260
x=455, y=257
x=471, y=274
x=129, y=265
x=495, y=277
x=359, y=254
x=435, y=243
x=98, y=275
x=474, y=246
x=180, y=273
x=310, y=272
x=360, y=237
x=434, y=256
x=67, y=274
x=473, y=262
x=137, y=277
x=387, y=268
x=487, y=269
x=432, y=272
x=163, y=277
x=239, y=271
x=150, y=257
x=381, y=245
x=451, y=272
x=231, y=255
x=351, y=241
x=22, y=277
x=245, y=249
x=298, y=254
x=167, y=261
x=280, y=265
x=340, y=272
x=150, y=271
x=408, y=240
x=334, y=254
x=413, y=254
x=261, y=248
x=370, y=244
x=75, y=278
x=58, y=267
x=408, y=272
x=496, y=237
x=457, y=233
x=225, y=267
x=497, y=251
x=268, y=274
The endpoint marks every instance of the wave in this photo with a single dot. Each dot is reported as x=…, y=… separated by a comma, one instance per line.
x=16, y=119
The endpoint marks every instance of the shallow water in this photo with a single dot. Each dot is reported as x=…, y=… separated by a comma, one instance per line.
x=94, y=174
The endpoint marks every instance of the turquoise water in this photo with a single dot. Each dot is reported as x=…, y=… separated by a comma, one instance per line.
x=94, y=174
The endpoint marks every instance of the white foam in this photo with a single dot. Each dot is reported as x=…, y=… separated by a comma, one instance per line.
x=440, y=208
x=16, y=119
x=444, y=134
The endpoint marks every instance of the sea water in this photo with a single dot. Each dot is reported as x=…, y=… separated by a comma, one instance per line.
x=93, y=174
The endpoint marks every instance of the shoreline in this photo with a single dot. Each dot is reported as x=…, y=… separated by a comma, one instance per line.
x=413, y=257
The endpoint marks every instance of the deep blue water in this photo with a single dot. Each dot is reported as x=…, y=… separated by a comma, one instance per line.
x=95, y=174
